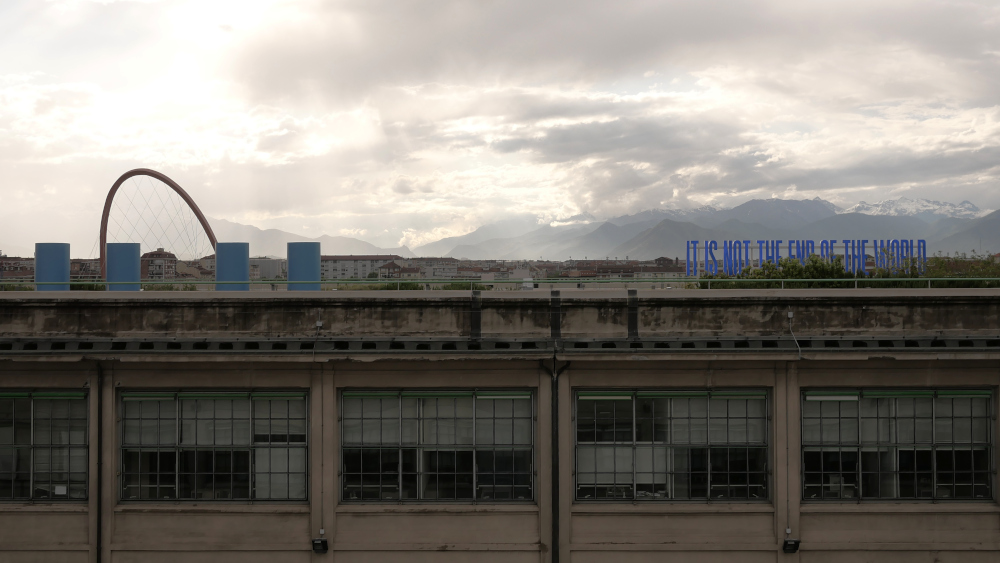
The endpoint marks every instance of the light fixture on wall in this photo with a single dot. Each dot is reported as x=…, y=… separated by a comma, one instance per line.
x=790, y=546
x=320, y=545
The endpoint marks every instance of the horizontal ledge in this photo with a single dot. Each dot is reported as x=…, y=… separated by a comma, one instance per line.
x=43, y=546
x=442, y=509
x=672, y=508
x=180, y=547
x=209, y=509
x=852, y=545
x=901, y=508
x=76, y=508
x=375, y=547
x=712, y=544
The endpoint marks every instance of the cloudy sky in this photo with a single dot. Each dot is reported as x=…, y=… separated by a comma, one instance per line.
x=402, y=122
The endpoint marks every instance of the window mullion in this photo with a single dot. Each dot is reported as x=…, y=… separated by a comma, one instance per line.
x=399, y=449
x=31, y=457
x=475, y=468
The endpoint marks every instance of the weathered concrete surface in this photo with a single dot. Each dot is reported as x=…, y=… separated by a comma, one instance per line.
x=582, y=314
x=713, y=531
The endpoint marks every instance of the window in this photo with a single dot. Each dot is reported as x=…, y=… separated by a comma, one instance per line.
x=671, y=445
x=214, y=446
x=437, y=446
x=43, y=446
x=901, y=444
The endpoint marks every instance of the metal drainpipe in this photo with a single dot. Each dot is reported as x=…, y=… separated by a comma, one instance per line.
x=555, y=461
x=100, y=455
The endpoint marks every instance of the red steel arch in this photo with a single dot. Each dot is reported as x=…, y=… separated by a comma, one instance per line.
x=163, y=178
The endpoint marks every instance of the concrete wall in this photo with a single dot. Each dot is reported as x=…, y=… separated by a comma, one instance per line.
x=733, y=531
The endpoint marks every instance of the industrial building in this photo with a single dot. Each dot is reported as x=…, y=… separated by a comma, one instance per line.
x=532, y=426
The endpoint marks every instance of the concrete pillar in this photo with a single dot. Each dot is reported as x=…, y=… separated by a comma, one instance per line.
x=303, y=266
x=123, y=265
x=52, y=265
x=232, y=264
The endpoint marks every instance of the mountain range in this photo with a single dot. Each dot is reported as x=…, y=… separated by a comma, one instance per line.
x=947, y=227
x=272, y=242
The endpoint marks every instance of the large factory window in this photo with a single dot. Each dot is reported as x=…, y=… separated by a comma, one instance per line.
x=671, y=445
x=214, y=446
x=897, y=444
x=43, y=446
x=437, y=446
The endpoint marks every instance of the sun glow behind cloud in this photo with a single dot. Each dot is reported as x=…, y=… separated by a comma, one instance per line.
x=406, y=123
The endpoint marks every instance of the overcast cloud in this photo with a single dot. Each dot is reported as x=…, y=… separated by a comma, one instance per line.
x=404, y=122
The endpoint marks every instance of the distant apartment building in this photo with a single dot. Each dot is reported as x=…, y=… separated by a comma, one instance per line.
x=16, y=267
x=158, y=265
x=85, y=268
x=435, y=268
x=341, y=267
x=268, y=268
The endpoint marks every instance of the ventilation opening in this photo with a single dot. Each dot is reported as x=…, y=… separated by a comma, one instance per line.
x=367, y=345
x=311, y=345
x=85, y=346
x=57, y=346
x=635, y=344
x=608, y=345
x=831, y=343
x=336, y=345
x=251, y=346
x=114, y=346
x=966, y=343
x=769, y=343
x=581, y=344
x=993, y=343
x=451, y=346
x=805, y=344
x=6, y=346
x=173, y=345
x=886, y=344
x=713, y=345
x=912, y=344
x=279, y=346
x=30, y=346
x=742, y=344
x=937, y=343
x=397, y=346
x=529, y=346
x=475, y=346
x=859, y=344
x=501, y=345
x=198, y=345
x=423, y=346
x=146, y=346
x=225, y=345
x=661, y=345
x=687, y=344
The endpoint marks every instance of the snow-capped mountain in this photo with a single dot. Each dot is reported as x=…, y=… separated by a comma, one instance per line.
x=926, y=209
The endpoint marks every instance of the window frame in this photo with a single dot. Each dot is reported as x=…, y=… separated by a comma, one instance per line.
x=127, y=395
x=637, y=393
x=894, y=445
x=49, y=394
x=475, y=393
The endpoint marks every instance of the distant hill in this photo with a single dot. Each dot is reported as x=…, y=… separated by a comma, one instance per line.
x=513, y=227
x=785, y=214
x=668, y=238
x=947, y=227
x=272, y=242
x=981, y=235
x=545, y=241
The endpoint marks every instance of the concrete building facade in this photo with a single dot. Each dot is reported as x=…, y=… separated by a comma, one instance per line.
x=463, y=426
